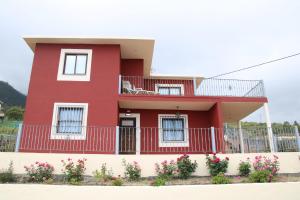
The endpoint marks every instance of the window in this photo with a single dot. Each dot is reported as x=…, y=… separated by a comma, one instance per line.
x=169, y=89
x=75, y=65
x=173, y=131
x=69, y=121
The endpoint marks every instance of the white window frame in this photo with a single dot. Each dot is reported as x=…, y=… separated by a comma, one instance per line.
x=73, y=77
x=158, y=85
x=184, y=143
x=65, y=136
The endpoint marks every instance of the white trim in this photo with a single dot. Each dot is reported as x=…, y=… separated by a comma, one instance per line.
x=64, y=136
x=157, y=85
x=65, y=77
x=138, y=130
x=184, y=143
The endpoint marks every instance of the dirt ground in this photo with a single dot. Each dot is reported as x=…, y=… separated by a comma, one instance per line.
x=89, y=180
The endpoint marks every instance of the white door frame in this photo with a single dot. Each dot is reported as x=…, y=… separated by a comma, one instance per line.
x=138, y=130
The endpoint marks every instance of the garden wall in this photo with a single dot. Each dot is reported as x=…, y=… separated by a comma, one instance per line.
x=289, y=162
x=253, y=191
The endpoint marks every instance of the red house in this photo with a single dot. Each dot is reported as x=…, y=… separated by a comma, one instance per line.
x=97, y=95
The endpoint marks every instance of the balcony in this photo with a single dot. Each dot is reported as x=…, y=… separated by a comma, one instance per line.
x=189, y=86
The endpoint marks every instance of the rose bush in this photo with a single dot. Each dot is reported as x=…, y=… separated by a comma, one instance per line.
x=74, y=171
x=166, y=170
x=216, y=165
x=39, y=171
x=132, y=170
x=185, y=167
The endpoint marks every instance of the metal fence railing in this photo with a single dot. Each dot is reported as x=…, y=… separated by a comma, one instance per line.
x=149, y=140
x=8, y=132
x=231, y=87
x=138, y=85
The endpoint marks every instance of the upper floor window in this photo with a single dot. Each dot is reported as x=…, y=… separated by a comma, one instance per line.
x=69, y=121
x=170, y=89
x=75, y=65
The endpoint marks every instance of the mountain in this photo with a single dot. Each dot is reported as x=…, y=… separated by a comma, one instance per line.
x=10, y=96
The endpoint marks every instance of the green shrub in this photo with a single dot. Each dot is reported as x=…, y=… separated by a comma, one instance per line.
x=216, y=165
x=39, y=172
x=159, y=181
x=166, y=170
x=14, y=113
x=185, y=166
x=220, y=179
x=132, y=171
x=244, y=168
x=103, y=174
x=7, y=176
x=263, y=163
x=117, y=181
x=261, y=176
x=74, y=172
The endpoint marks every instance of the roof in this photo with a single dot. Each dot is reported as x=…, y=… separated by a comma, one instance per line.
x=131, y=48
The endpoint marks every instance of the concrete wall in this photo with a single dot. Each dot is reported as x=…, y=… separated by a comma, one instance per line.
x=289, y=162
x=258, y=191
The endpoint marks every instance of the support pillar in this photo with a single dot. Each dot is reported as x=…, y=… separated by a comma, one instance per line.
x=117, y=140
x=241, y=137
x=269, y=128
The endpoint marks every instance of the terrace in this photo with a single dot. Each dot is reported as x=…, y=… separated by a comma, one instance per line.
x=190, y=86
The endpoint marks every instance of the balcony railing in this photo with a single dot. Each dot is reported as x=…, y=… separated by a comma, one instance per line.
x=149, y=140
x=138, y=85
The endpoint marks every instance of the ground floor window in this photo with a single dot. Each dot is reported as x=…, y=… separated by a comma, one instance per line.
x=173, y=131
x=69, y=121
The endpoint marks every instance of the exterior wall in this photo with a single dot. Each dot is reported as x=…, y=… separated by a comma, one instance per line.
x=101, y=92
x=132, y=67
x=217, y=122
x=289, y=162
x=199, y=123
x=246, y=191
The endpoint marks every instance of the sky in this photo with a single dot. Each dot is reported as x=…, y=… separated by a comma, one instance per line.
x=198, y=37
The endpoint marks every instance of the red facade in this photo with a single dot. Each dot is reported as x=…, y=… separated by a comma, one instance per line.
x=103, y=98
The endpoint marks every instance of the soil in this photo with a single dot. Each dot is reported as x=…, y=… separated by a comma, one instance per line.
x=195, y=180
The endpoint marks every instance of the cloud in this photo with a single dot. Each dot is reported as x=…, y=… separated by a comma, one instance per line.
x=192, y=37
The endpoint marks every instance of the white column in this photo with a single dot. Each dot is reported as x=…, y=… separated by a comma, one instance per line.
x=120, y=84
x=213, y=140
x=117, y=140
x=19, y=135
x=195, y=86
x=269, y=127
x=138, y=141
x=297, y=137
x=241, y=137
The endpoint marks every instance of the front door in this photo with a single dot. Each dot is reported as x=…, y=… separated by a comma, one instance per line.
x=127, y=136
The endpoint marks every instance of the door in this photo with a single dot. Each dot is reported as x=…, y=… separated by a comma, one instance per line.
x=127, y=138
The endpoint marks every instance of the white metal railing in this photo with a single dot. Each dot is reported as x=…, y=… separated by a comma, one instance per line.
x=138, y=85
x=149, y=140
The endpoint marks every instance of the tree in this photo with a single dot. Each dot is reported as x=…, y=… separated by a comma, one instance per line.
x=286, y=124
x=14, y=113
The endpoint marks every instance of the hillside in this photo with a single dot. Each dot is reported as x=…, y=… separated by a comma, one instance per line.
x=10, y=96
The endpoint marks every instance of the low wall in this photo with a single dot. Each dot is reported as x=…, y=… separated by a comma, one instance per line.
x=258, y=191
x=289, y=162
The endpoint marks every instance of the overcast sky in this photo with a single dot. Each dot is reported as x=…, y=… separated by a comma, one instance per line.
x=191, y=38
